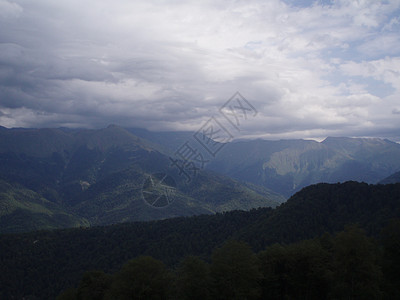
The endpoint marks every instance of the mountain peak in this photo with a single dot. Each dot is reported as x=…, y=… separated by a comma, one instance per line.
x=351, y=139
x=106, y=138
x=352, y=145
x=394, y=178
x=113, y=126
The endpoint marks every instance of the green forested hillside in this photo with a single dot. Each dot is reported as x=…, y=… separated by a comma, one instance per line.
x=21, y=208
x=43, y=263
x=327, y=208
x=348, y=265
x=96, y=177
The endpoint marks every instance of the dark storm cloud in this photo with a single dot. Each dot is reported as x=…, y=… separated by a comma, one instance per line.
x=171, y=65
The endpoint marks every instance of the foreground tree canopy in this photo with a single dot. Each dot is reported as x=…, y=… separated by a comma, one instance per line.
x=348, y=265
x=293, y=254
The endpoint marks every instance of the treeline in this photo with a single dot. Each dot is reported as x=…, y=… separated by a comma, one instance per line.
x=39, y=265
x=348, y=265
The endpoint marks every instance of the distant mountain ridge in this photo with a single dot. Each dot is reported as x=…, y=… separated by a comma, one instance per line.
x=97, y=176
x=286, y=166
x=394, y=178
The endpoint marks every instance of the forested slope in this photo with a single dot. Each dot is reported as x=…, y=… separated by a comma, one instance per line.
x=43, y=263
x=97, y=177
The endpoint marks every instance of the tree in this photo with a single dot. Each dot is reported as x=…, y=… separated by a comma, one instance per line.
x=274, y=267
x=141, y=278
x=355, y=265
x=235, y=272
x=93, y=286
x=68, y=294
x=194, y=281
x=391, y=259
x=309, y=270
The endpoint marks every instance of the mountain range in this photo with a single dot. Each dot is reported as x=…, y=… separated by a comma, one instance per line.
x=286, y=166
x=55, y=178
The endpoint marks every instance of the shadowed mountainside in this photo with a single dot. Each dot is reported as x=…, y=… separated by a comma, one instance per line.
x=97, y=177
x=286, y=166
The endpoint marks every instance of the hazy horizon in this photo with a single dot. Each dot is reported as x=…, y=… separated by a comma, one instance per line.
x=238, y=139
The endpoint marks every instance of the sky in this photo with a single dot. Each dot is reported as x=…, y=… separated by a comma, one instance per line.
x=308, y=69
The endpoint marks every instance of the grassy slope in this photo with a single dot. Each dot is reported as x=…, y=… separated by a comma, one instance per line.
x=22, y=209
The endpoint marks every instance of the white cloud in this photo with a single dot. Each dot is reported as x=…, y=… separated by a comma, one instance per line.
x=386, y=70
x=9, y=10
x=172, y=64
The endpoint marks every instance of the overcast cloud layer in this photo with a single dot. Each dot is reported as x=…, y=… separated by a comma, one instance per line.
x=315, y=69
